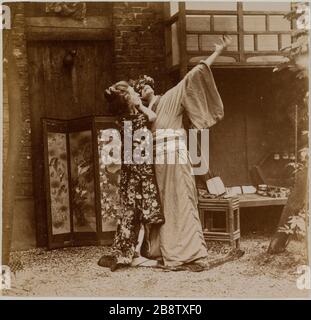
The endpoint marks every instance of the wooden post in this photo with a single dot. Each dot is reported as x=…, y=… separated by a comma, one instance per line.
x=182, y=39
x=11, y=165
x=241, y=31
x=168, y=42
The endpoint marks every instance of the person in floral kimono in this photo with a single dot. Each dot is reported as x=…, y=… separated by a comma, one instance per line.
x=140, y=199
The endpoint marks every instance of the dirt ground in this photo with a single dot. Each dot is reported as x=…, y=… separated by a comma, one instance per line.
x=73, y=272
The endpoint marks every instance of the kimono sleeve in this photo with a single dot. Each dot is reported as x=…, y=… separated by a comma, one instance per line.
x=200, y=97
x=172, y=99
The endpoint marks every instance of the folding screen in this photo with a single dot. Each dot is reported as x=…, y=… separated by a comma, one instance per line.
x=81, y=190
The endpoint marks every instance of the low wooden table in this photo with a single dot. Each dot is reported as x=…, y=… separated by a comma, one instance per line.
x=230, y=232
x=255, y=200
x=229, y=229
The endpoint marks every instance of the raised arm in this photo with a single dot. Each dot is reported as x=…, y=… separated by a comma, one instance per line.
x=148, y=112
x=194, y=85
x=224, y=42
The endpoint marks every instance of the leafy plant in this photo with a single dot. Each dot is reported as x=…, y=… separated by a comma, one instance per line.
x=299, y=49
x=294, y=219
x=296, y=225
x=298, y=63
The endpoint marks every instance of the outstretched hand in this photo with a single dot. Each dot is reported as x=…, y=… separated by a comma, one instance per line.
x=224, y=42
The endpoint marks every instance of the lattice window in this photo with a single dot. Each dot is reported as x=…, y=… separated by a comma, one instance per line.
x=259, y=31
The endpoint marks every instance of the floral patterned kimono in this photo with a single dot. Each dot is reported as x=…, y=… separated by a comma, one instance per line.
x=139, y=199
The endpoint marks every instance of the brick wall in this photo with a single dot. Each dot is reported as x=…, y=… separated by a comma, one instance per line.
x=24, y=187
x=24, y=180
x=139, y=41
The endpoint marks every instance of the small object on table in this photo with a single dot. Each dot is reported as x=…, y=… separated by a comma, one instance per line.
x=262, y=193
x=277, y=192
x=285, y=156
x=204, y=194
x=237, y=190
x=262, y=187
x=215, y=186
x=276, y=156
x=249, y=189
x=262, y=190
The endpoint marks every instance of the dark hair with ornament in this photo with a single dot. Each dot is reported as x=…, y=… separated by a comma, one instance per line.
x=141, y=82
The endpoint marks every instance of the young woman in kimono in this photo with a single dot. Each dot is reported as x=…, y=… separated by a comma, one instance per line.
x=180, y=240
x=138, y=189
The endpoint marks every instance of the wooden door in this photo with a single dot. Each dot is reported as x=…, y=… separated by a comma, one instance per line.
x=63, y=90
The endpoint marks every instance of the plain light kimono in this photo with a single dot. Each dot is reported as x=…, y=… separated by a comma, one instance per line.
x=180, y=240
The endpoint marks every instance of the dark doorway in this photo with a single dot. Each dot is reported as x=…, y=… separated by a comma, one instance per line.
x=256, y=122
